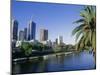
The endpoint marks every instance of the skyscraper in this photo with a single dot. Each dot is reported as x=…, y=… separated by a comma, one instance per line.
x=60, y=40
x=43, y=35
x=21, y=35
x=14, y=29
x=25, y=34
x=31, y=30
x=56, y=41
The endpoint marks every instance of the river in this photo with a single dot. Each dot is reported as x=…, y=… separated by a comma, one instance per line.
x=70, y=62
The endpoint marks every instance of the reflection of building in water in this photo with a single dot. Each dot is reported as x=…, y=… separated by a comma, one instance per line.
x=60, y=59
x=17, y=68
x=41, y=65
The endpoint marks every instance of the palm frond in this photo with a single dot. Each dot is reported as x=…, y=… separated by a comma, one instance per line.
x=78, y=28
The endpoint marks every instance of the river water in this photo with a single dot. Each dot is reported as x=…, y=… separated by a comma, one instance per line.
x=75, y=61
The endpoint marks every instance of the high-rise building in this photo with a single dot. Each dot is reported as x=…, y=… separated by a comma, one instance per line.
x=60, y=40
x=25, y=34
x=56, y=41
x=43, y=35
x=49, y=43
x=14, y=29
x=21, y=35
x=31, y=30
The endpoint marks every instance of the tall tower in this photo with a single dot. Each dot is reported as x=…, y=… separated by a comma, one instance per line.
x=43, y=35
x=31, y=30
x=25, y=34
x=14, y=29
x=60, y=40
x=56, y=41
x=21, y=35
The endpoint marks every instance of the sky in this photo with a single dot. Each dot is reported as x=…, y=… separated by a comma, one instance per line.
x=57, y=18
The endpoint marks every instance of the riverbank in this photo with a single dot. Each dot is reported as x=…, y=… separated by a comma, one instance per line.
x=44, y=56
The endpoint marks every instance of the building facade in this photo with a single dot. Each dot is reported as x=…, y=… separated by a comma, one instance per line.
x=14, y=29
x=56, y=41
x=43, y=34
x=31, y=30
x=21, y=35
x=25, y=34
x=60, y=40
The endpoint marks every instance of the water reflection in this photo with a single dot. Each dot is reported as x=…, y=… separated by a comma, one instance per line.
x=74, y=61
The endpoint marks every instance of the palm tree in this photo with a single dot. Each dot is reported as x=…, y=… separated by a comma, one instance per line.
x=86, y=31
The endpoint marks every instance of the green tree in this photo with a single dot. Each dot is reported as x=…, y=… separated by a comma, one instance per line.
x=38, y=47
x=26, y=48
x=86, y=31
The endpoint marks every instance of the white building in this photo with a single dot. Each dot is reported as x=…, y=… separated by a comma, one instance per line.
x=60, y=40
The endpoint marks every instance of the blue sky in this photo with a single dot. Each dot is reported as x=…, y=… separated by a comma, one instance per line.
x=57, y=18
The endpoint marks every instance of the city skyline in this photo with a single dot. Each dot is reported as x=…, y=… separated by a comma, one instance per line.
x=24, y=33
x=59, y=21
